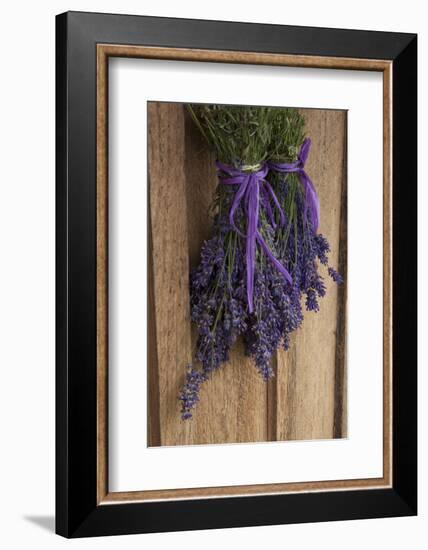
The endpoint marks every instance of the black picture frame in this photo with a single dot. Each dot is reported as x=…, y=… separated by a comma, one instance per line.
x=77, y=512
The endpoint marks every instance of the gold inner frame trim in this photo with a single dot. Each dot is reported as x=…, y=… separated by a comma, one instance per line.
x=104, y=51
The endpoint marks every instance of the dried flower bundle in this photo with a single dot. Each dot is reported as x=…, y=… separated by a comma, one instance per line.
x=264, y=251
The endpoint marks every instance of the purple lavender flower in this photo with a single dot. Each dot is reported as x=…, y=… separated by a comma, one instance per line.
x=337, y=277
x=217, y=305
x=189, y=395
x=312, y=300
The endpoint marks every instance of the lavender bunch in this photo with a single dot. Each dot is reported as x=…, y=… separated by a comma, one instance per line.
x=246, y=138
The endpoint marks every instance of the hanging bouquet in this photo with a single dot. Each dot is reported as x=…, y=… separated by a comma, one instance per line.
x=265, y=247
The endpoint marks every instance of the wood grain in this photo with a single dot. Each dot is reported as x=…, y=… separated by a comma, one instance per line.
x=243, y=57
x=307, y=395
x=170, y=265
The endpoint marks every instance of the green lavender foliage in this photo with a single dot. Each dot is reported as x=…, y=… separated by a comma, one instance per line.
x=287, y=134
x=250, y=135
x=240, y=135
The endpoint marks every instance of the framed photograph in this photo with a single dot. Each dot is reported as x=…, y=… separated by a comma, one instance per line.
x=236, y=274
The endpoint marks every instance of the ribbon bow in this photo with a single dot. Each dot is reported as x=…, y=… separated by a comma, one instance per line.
x=251, y=184
x=312, y=201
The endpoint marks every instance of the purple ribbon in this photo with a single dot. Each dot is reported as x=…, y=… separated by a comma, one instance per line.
x=312, y=201
x=251, y=186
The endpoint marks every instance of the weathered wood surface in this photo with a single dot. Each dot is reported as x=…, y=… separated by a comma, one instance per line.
x=306, y=400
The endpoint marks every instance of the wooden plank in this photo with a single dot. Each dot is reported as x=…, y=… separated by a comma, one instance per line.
x=169, y=264
x=340, y=401
x=306, y=398
x=154, y=433
x=305, y=392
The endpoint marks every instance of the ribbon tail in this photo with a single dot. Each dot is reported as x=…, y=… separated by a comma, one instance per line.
x=312, y=200
x=268, y=207
x=272, y=195
x=236, y=202
x=272, y=258
x=251, y=250
x=253, y=216
x=304, y=150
